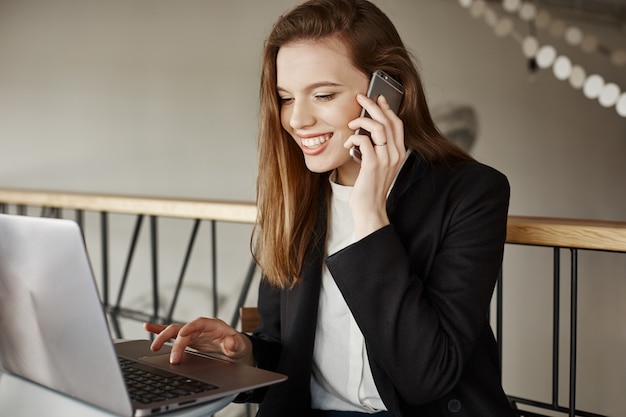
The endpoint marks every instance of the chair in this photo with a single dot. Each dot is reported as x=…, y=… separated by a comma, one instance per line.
x=249, y=319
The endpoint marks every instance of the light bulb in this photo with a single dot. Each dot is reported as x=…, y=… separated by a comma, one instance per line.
x=562, y=68
x=577, y=77
x=618, y=57
x=557, y=28
x=543, y=19
x=593, y=86
x=589, y=44
x=478, y=8
x=609, y=95
x=527, y=12
x=504, y=27
x=530, y=46
x=546, y=56
x=490, y=17
x=573, y=36
x=511, y=6
x=621, y=105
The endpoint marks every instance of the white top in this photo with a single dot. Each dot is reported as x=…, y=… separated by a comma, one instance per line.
x=342, y=378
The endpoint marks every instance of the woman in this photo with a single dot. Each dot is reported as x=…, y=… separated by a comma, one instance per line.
x=377, y=277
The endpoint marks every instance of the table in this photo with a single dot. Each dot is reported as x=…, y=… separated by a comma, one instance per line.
x=19, y=397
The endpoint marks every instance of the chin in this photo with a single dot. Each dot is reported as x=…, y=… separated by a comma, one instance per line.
x=318, y=169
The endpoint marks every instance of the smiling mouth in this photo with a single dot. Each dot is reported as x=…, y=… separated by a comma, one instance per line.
x=315, y=142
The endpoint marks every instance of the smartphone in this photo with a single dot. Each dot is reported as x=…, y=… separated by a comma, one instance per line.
x=381, y=84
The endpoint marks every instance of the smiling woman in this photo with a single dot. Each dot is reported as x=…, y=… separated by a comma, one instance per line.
x=418, y=226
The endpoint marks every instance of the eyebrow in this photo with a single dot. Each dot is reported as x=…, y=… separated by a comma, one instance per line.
x=315, y=85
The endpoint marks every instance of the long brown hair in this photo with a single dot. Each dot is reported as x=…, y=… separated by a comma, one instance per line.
x=287, y=192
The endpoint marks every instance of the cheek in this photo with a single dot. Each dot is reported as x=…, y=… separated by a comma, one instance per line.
x=345, y=113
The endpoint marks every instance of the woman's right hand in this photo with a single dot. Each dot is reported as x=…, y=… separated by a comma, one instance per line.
x=208, y=335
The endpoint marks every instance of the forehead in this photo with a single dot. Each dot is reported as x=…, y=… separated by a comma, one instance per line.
x=304, y=59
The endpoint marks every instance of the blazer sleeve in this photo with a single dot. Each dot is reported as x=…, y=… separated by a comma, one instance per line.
x=420, y=288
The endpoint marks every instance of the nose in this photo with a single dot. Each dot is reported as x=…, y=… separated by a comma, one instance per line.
x=301, y=115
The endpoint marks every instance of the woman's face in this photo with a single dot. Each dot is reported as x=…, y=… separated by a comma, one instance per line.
x=317, y=87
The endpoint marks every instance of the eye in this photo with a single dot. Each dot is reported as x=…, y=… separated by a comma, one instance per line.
x=325, y=97
x=284, y=100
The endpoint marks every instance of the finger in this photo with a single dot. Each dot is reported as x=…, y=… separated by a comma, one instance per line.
x=178, y=348
x=370, y=105
x=203, y=333
x=184, y=336
x=153, y=327
x=229, y=346
x=378, y=119
x=165, y=334
x=233, y=346
x=210, y=327
x=395, y=125
x=377, y=124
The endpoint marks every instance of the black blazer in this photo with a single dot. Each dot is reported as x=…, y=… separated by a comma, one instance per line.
x=419, y=289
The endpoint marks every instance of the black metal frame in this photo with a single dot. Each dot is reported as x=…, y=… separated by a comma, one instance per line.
x=570, y=410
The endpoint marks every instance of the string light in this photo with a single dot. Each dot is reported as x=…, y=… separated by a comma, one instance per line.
x=609, y=95
x=621, y=105
x=593, y=86
x=546, y=56
x=562, y=68
x=577, y=77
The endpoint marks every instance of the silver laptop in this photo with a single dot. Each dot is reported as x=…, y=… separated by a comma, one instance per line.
x=53, y=331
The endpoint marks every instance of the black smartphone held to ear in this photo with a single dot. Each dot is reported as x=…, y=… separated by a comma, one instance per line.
x=381, y=84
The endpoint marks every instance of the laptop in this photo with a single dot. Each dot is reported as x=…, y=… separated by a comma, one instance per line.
x=53, y=331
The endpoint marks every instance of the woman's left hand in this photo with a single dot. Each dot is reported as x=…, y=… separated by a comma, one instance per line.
x=382, y=157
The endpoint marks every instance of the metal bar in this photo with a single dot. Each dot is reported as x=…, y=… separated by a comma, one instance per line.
x=571, y=410
x=104, y=232
x=129, y=259
x=573, y=333
x=49, y=212
x=80, y=220
x=546, y=406
x=243, y=294
x=556, y=319
x=179, y=284
x=130, y=314
x=214, y=266
x=104, y=236
x=155, y=267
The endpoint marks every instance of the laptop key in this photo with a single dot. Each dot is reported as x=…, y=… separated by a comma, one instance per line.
x=146, y=387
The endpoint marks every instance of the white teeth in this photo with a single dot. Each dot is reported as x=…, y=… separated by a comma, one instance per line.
x=313, y=142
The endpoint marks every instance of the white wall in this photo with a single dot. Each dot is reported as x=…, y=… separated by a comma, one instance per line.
x=156, y=97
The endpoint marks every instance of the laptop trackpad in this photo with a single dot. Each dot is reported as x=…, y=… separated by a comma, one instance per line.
x=190, y=362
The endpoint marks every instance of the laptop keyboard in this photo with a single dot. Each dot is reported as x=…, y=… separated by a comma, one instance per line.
x=147, y=386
